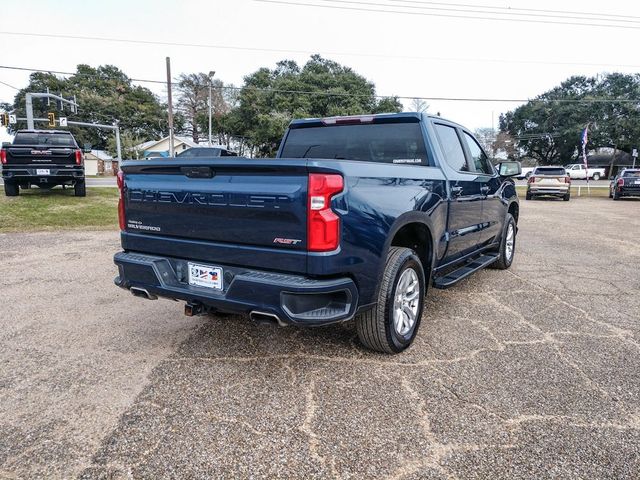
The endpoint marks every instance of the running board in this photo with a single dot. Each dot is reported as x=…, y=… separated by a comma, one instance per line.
x=451, y=278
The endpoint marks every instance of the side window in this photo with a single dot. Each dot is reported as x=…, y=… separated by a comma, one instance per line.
x=452, y=148
x=478, y=157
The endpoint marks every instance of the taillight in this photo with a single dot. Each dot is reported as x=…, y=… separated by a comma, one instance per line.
x=567, y=179
x=121, y=199
x=323, y=227
x=78, y=157
x=532, y=179
x=3, y=156
x=621, y=182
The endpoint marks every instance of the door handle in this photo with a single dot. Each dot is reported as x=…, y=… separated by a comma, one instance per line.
x=456, y=191
x=485, y=189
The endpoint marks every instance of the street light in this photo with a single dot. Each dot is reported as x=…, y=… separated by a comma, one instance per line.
x=211, y=74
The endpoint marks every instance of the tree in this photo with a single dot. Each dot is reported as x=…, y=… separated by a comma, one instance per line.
x=193, y=101
x=548, y=128
x=419, y=105
x=269, y=99
x=507, y=145
x=486, y=136
x=224, y=100
x=105, y=95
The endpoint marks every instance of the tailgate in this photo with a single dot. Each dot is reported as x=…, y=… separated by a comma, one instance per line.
x=550, y=181
x=30, y=155
x=243, y=202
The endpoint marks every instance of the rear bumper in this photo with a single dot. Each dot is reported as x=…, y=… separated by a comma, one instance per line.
x=549, y=190
x=629, y=191
x=294, y=299
x=29, y=173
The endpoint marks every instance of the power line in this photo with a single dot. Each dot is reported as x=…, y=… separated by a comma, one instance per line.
x=509, y=12
x=445, y=15
x=517, y=9
x=346, y=94
x=80, y=74
x=309, y=52
x=11, y=86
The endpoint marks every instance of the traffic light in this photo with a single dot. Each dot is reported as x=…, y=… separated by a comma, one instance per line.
x=4, y=119
x=52, y=119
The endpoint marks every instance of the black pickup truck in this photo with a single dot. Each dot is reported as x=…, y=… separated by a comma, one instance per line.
x=42, y=158
x=354, y=218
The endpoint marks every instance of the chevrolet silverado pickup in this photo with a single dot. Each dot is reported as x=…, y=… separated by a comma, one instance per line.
x=43, y=158
x=354, y=218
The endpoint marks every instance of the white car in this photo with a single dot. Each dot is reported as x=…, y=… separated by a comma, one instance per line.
x=577, y=171
x=525, y=173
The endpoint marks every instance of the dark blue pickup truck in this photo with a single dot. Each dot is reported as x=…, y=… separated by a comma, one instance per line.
x=354, y=218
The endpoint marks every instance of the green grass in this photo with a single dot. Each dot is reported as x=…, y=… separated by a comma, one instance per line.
x=595, y=191
x=57, y=209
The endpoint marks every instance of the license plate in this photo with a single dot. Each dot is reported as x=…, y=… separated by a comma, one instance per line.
x=637, y=182
x=205, y=276
x=42, y=171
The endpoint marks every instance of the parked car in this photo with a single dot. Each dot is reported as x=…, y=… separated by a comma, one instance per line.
x=195, y=152
x=578, y=171
x=552, y=181
x=625, y=184
x=44, y=158
x=355, y=217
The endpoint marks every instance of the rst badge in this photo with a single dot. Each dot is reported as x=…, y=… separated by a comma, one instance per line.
x=205, y=276
x=286, y=241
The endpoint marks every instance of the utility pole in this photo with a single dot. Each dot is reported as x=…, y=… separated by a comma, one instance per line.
x=211, y=74
x=170, y=107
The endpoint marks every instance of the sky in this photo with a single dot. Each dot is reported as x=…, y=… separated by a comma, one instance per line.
x=418, y=53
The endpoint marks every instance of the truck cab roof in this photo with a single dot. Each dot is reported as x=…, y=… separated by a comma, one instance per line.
x=65, y=132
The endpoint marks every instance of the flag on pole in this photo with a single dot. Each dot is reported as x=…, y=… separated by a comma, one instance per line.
x=585, y=139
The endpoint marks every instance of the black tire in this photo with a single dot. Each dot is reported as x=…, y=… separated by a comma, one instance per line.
x=528, y=196
x=596, y=176
x=80, y=189
x=376, y=329
x=504, y=258
x=616, y=195
x=610, y=193
x=567, y=197
x=11, y=189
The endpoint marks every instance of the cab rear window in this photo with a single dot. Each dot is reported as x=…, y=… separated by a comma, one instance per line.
x=53, y=139
x=632, y=173
x=400, y=143
x=552, y=171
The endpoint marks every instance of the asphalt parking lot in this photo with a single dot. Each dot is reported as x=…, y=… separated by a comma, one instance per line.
x=532, y=372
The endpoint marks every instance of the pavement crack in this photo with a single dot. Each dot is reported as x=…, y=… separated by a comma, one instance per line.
x=623, y=334
x=307, y=428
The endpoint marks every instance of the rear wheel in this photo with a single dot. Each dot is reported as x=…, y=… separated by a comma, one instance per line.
x=507, y=248
x=596, y=176
x=567, y=197
x=80, y=189
x=11, y=189
x=529, y=196
x=616, y=195
x=392, y=324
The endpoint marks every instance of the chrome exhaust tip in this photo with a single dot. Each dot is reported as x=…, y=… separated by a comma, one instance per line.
x=266, y=318
x=142, y=293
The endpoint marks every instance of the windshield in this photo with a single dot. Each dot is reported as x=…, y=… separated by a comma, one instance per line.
x=53, y=139
x=385, y=143
x=632, y=173
x=552, y=171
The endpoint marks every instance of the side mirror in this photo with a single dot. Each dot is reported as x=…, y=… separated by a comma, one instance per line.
x=509, y=169
x=87, y=148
